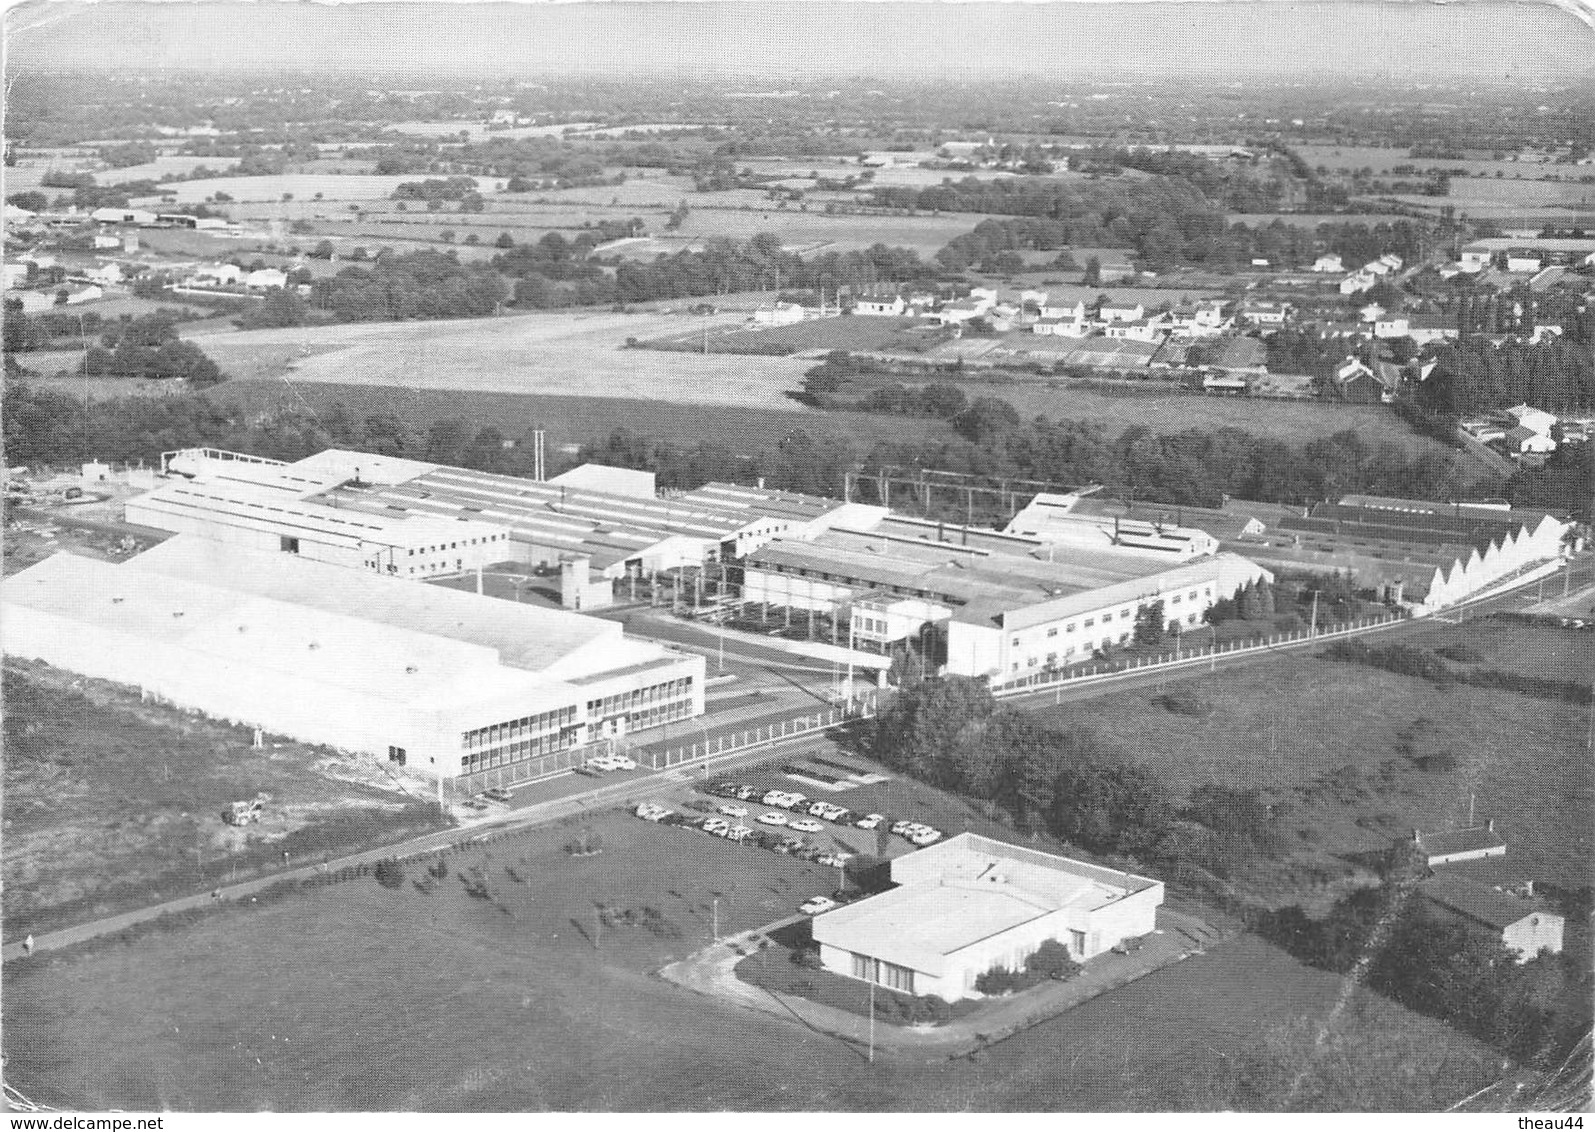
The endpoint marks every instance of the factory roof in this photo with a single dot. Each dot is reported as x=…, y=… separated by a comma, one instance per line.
x=559, y=644
x=265, y=507
x=249, y=632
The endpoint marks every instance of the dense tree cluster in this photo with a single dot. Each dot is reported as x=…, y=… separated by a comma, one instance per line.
x=1475, y=376
x=422, y=284
x=1536, y=1011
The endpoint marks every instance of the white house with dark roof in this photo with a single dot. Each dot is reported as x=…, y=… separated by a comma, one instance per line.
x=1523, y=925
x=973, y=903
x=884, y=304
x=1450, y=846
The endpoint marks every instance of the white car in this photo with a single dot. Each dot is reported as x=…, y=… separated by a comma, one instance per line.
x=774, y=817
x=731, y=811
x=832, y=860
x=653, y=811
x=715, y=825
x=901, y=828
x=776, y=798
x=925, y=837
x=806, y=825
x=870, y=821
x=621, y=762
x=816, y=905
x=739, y=833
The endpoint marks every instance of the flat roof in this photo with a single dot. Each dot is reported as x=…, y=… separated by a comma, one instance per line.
x=961, y=891
x=528, y=637
x=792, y=506
x=608, y=527
x=262, y=506
x=967, y=576
x=245, y=632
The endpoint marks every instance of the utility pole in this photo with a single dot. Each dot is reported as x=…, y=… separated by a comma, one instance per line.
x=716, y=913
x=1312, y=630
x=872, y=1017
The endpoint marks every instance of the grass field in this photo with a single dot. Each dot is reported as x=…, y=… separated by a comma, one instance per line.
x=1295, y=422
x=358, y=997
x=580, y=354
x=1282, y=726
x=113, y=804
x=847, y=332
x=577, y=420
x=1555, y=654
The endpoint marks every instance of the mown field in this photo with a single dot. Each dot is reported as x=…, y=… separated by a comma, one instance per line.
x=1290, y=726
x=359, y=997
x=114, y=804
x=578, y=420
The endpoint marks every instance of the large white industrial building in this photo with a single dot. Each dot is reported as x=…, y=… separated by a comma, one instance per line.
x=446, y=681
x=971, y=903
x=1007, y=606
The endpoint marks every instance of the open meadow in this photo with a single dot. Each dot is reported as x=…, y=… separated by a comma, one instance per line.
x=1322, y=737
x=572, y=420
x=571, y=354
x=519, y=992
x=113, y=803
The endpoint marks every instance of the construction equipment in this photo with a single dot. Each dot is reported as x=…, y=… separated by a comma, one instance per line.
x=244, y=813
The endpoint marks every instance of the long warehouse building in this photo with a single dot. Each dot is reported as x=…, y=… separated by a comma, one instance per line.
x=445, y=681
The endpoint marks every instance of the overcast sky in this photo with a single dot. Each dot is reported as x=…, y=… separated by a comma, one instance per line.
x=1491, y=41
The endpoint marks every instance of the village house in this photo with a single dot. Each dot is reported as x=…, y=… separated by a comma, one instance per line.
x=879, y=303
x=1328, y=264
x=1111, y=311
x=1523, y=925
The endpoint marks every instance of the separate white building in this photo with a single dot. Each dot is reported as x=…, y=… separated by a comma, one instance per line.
x=879, y=304
x=1121, y=312
x=1524, y=926
x=1329, y=263
x=265, y=279
x=970, y=904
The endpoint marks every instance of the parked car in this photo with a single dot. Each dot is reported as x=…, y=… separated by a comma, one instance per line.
x=831, y=860
x=774, y=817
x=746, y=793
x=724, y=789
x=739, y=833
x=870, y=821
x=731, y=811
x=499, y=794
x=806, y=825
x=925, y=837
x=715, y=825
x=653, y=811
x=816, y=905
x=476, y=802
x=775, y=798
x=901, y=828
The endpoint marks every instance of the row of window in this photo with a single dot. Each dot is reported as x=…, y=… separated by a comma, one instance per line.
x=517, y=752
x=624, y=703
x=883, y=973
x=1123, y=615
x=1123, y=639
x=518, y=728
x=658, y=716
x=414, y=550
x=873, y=625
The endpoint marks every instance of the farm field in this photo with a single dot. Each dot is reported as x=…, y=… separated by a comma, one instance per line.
x=1382, y=159
x=228, y=1014
x=332, y=186
x=581, y=354
x=1295, y=422
x=167, y=165
x=845, y=332
x=114, y=804
x=1282, y=726
x=573, y=420
x=1491, y=197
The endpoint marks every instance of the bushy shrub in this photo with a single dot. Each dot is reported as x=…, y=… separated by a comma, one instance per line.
x=1462, y=654
x=808, y=958
x=1185, y=703
x=1052, y=961
x=390, y=874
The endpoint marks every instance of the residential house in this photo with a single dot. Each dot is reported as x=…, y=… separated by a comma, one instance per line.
x=1373, y=312
x=1376, y=267
x=1543, y=332
x=1523, y=263
x=1229, y=384
x=1003, y=316
x=1392, y=326
x=1523, y=441
x=1136, y=330
x=1111, y=311
x=1424, y=329
x=878, y=303
x=15, y=275
x=952, y=314
x=1524, y=926
x=1476, y=257
x=104, y=241
x=1357, y=383
x=106, y=275
x=1033, y=298
x=1391, y=261
x=1262, y=313
x=1450, y=846
x=216, y=275
x=1529, y=417
x=986, y=296
x=778, y=314
x=269, y=277
x=1329, y=264
x=1357, y=282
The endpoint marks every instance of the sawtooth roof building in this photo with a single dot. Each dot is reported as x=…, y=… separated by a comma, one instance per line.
x=972, y=903
x=449, y=682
